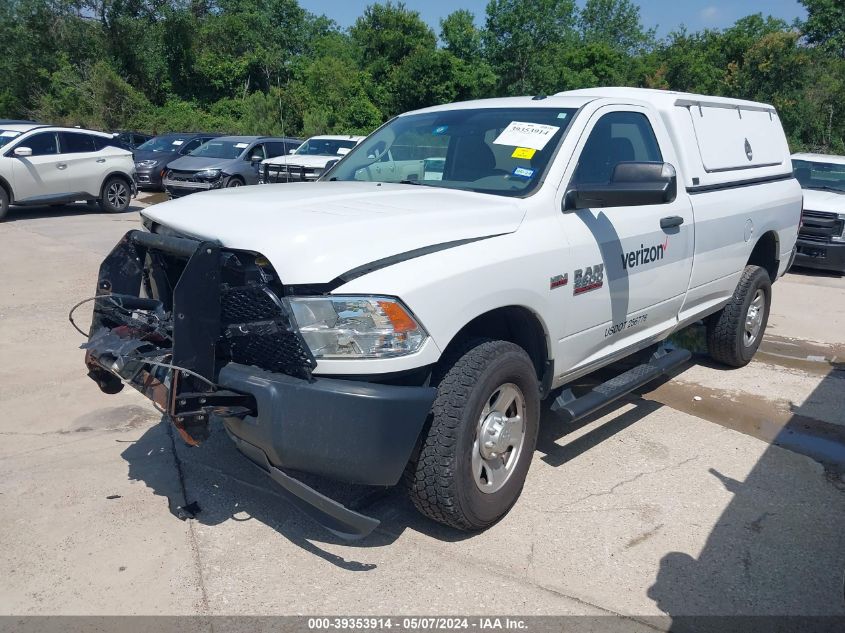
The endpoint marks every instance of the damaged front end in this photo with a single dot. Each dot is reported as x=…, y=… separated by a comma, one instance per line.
x=205, y=331
x=170, y=312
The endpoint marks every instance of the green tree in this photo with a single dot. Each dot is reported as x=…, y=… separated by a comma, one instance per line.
x=615, y=23
x=825, y=24
x=519, y=35
x=460, y=35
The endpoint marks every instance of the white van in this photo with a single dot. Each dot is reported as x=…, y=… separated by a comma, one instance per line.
x=412, y=319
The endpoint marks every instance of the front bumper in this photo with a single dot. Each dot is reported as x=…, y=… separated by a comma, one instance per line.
x=175, y=352
x=150, y=179
x=179, y=188
x=821, y=255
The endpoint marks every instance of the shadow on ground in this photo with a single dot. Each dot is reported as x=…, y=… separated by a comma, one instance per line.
x=775, y=550
x=17, y=213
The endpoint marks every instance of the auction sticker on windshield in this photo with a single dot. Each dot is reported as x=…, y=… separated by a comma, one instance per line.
x=530, y=135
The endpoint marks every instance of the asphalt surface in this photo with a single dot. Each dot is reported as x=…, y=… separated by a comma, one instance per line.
x=718, y=492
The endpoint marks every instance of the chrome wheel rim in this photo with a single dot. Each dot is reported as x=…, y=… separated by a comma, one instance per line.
x=754, y=318
x=117, y=195
x=499, y=438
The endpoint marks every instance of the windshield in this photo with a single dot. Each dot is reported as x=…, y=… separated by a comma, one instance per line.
x=215, y=148
x=325, y=146
x=816, y=175
x=163, y=144
x=492, y=150
x=7, y=135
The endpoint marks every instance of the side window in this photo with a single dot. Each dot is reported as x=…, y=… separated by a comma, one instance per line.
x=43, y=144
x=76, y=143
x=190, y=146
x=258, y=150
x=618, y=137
x=274, y=148
x=101, y=142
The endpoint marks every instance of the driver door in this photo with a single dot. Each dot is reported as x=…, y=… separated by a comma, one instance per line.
x=629, y=275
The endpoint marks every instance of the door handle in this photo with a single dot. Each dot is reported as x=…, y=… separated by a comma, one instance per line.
x=671, y=221
x=101, y=160
x=61, y=166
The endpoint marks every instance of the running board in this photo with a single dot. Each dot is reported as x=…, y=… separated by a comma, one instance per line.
x=571, y=409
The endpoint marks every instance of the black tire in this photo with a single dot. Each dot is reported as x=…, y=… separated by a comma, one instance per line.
x=115, y=195
x=727, y=332
x=441, y=481
x=4, y=203
x=234, y=181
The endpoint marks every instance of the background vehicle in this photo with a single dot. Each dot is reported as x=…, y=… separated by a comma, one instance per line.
x=130, y=140
x=410, y=320
x=152, y=157
x=821, y=238
x=43, y=165
x=309, y=160
x=225, y=161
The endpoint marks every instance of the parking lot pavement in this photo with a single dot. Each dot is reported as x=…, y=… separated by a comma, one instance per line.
x=718, y=492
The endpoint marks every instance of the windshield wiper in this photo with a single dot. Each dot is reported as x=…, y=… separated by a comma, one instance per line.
x=826, y=188
x=414, y=182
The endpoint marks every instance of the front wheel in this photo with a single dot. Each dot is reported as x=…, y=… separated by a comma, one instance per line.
x=478, y=449
x=234, y=181
x=116, y=195
x=4, y=203
x=735, y=332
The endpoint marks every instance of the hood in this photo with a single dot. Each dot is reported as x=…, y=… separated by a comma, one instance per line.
x=196, y=163
x=304, y=160
x=314, y=232
x=161, y=157
x=816, y=200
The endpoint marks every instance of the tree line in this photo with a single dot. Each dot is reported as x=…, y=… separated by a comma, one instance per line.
x=271, y=67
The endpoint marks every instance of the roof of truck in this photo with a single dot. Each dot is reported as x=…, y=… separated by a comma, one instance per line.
x=661, y=99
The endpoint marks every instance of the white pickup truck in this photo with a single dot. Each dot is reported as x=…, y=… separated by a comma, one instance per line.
x=412, y=320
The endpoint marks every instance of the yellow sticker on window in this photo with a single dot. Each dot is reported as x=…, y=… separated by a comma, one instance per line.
x=523, y=152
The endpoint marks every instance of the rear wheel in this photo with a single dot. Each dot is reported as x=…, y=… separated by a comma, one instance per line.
x=4, y=203
x=735, y=332
x=477, y=452
x=116, y=195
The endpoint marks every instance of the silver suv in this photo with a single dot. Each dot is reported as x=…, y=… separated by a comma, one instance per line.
x=47, y=165
x=226, y=161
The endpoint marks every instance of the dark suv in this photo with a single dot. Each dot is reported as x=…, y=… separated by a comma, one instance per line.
x=152, y=157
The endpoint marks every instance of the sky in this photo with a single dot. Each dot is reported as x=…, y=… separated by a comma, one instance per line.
x=665, y=15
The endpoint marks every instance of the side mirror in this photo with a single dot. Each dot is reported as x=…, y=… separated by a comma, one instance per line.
x=23, y=152
x=256, y=158
x=291, y=151
x=632, y=184
x=330, y=164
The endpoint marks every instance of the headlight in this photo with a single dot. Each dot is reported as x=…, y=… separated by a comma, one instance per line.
x=357, y=327
x=146, y=163
x=208, y=174
x=841, y=237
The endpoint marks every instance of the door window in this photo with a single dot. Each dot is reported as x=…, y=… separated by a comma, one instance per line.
x=191, y=145
x=618, y=137
x=258, y=150
x=76, y=143
x=43, y=144
x=275, y=148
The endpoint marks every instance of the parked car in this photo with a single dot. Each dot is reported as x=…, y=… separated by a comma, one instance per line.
x=388, y=322
x=226, y=161
x=130, y=140
x=46, y=165
x=821, y=238
x=309, y=160
x=152, y=157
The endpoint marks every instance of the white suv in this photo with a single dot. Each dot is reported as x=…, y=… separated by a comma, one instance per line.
x=46, y=165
